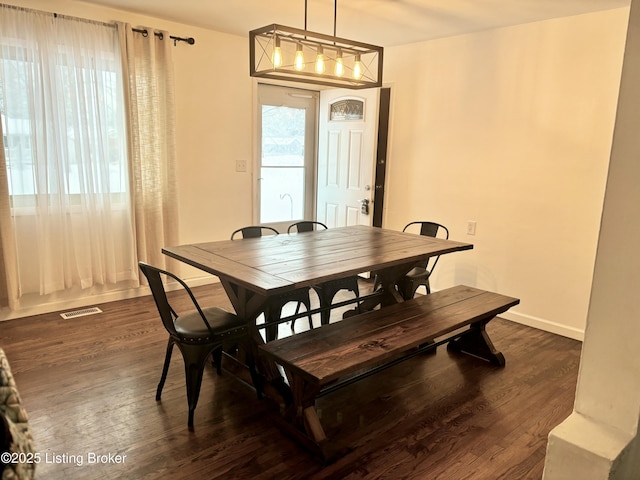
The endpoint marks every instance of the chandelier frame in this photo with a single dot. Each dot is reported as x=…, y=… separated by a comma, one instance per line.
x=314, y=46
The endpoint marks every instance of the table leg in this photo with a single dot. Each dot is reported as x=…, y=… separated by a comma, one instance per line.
x=387, y=278
x=248, y=306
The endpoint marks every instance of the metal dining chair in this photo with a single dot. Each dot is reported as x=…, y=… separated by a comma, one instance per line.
x=254, y=231
x=305, y=226
x=326, y=291
x=421, y=273
x=197, y=333
x=275, y=304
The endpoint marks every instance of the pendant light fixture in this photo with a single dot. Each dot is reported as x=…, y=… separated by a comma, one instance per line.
x=287, y=53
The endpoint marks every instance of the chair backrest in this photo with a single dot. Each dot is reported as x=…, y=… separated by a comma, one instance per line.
x=167, y=313
x=429, y=229
x=306, y=226
x=254, y=231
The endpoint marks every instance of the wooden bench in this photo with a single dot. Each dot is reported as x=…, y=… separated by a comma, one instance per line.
x=319, y=361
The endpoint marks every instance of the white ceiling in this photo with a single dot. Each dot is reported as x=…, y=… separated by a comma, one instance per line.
x=381, y=22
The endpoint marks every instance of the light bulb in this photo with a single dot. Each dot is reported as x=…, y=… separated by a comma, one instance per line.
x=320, y=61
x=357, y=68
x=339, y=70
x=277, y=54
x=298, y=62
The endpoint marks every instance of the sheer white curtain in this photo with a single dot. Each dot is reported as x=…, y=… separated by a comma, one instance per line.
x=8, y=263
x=150, y=105
x=62, y=105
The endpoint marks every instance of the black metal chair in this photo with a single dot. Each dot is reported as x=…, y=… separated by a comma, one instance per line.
x=420, y=274
x=327, y=290
x=273, y=311
x=254, y=231
x=197, y=333
x=305, y=226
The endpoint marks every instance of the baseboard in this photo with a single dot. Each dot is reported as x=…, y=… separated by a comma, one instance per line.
x=90, y=300
x=539, y=323
x=545, y=325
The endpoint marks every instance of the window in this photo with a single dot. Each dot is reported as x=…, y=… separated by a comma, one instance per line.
x=348, y=109
x=80, y=141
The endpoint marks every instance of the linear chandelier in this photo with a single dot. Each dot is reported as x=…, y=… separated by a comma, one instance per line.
x=292, y=54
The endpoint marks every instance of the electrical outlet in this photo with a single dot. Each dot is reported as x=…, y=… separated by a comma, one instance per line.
x=241, y=165
x=471, y=227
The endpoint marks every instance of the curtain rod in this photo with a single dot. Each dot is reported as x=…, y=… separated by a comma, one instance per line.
x=56, y=15
x=145, y=32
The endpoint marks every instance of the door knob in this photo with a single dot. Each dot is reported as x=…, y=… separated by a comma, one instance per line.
x=364, y=206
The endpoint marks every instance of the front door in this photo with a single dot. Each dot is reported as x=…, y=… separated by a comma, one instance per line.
x=346, y=156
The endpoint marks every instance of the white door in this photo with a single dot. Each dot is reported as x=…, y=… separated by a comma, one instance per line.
x=346, y=156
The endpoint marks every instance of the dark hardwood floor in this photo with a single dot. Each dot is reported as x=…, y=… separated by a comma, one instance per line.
x=89, y=387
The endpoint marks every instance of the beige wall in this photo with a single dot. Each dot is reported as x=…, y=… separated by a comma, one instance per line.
x=510, y=128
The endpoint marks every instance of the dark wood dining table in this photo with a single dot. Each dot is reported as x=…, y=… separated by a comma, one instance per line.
x=253, y=270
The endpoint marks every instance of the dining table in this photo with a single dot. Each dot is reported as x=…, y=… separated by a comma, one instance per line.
x=253, y=270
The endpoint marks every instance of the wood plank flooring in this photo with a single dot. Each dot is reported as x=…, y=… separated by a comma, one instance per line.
x=89, y=387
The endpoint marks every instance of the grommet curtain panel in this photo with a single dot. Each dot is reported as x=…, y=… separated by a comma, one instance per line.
x=83, y=143
x=148, y=69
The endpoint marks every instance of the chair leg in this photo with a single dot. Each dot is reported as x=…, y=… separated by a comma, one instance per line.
x=356, y=290
x=326, y=293
x=165, y=369
x=217, y=359
x=307, y=305
x=293, y=322
x=195, y=357
x=376, y=283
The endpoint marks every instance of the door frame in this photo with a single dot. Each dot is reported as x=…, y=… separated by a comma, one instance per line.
x=381, y=155
x=382, y=152
x=310, y=199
